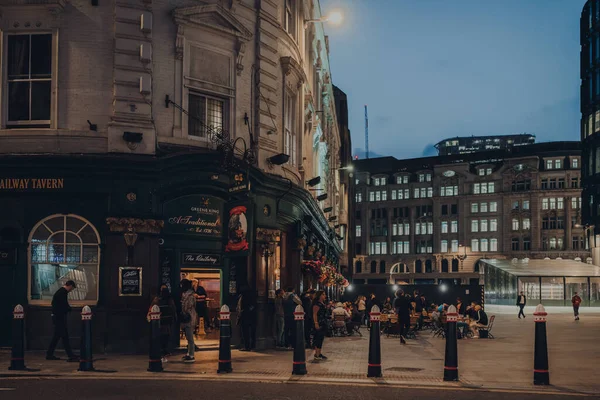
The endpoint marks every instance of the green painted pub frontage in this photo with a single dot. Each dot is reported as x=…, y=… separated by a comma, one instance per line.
x=122, y=225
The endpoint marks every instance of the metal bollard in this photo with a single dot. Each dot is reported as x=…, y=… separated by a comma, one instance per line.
x=86, y=362
x=299, y=363
x=451, y=359
x=374, y=370
x=155, y=356
x=225, y=341
x=17, y=359
x=541, y=375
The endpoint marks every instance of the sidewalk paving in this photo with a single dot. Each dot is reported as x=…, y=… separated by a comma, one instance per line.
x=503, y=363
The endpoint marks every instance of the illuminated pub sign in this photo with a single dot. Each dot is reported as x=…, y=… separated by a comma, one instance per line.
x=194, y=215
x=31, y=183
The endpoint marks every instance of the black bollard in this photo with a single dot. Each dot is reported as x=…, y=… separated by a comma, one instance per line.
x=155, y=356
x=86, y=362
x=541, y=375
x=17, y=359
x=374, y=370
x=451, y=359
x=299, y=367
x=225, y=341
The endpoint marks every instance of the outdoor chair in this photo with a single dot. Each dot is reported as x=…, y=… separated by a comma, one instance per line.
x=439, y=329
x=339, y=325
x=486, y=331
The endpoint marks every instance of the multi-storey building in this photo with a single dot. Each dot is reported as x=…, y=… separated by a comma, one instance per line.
x=425, y=219
x=163, y=139
x=471, y=144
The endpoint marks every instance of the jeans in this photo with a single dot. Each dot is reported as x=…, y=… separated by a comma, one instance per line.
x=249, y=333
x=308, y=324
x=60, y=332
x=521, y=307
x=576, y=311
x=189, y=335
x=279, y=326
x=319, y=337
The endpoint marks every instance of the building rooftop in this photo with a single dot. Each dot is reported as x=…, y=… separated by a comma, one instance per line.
x=525, y=267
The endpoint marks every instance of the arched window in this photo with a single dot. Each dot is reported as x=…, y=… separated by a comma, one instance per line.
x=428, y=266
x=455, y=265
x=418, y=266
x=358, y=267
x=444, y=265
x=401, y=268
x=373, y=267
x=382, y=267
x=63, y=248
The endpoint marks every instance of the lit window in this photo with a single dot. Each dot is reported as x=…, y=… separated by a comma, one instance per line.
x=358, y=231
x=493, y=225
x=483, y=207
x=454, y=227
x=64, y=247
x=484, y=245
x=474, y=245
x=384, y=195
x=394, y=195
x=484, y=225
x=358, y=197
x=454, y=246
x=383, y=181
x=493, y=206
x=493, y=244
x=371, y=196
x=525, y=204
x=416, y=195
x=557, y=164
x=515, y=224
x=481, y=172
x=444, y=226
x=428, y=177
x=430, y=192
x=526, y=223
x=421, y=177
x=545, y=204
x=475, y=225
x=444, y=246
x=549, y=164
x=488, y=171
x=474, y=207
x=575, y=161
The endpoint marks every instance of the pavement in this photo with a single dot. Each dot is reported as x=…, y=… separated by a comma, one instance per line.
x=501, y=365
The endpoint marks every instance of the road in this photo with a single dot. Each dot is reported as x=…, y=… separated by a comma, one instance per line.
x=116, y=389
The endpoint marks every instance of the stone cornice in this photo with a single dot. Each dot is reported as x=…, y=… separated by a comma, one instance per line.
x=289, y=65
x=203, y=15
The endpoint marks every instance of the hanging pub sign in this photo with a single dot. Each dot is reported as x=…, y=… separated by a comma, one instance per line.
x=194, y=215
x=200, y=259
x=237, y=230
x=239, y=182
x=8, y=256
x=130, y=281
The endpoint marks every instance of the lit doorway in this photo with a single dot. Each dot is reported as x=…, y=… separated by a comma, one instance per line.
x=206, y=333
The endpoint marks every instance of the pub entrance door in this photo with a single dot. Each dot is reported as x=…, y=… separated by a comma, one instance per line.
x=206, y=333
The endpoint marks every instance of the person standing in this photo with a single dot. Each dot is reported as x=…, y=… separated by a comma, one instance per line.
x=60, y=310
x=320, y=324
x=521, y=302
x=361, y=307
x=576, y=301
x=188, y=318
x=402, y=306
x=247, y=316
x=289, y=306
x=279, y=319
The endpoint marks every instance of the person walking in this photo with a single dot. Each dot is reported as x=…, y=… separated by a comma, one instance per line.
x=188, y=318
x=290, y=302
x=362, y=308
x=279, y=319
x=521, y=302
x=320, y=324
x=247, y=317
x=168, y=313
x=60, y=310
x=402, y=306
x=576, y=301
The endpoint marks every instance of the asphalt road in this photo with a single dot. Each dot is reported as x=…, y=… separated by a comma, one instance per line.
x=116, y=389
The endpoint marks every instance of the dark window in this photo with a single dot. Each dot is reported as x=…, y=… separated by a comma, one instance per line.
x=444, y=265
x=521, y=186
x=428, y=266
x=384, y=213
x=454, y=209
x=526, y=244
x=206, y=115
x=373, y=267
x=552, y=183
x=358, y=267
x=454, y=265
x=358, y=248
x=29, y=78
x=357, y=214
x=544, y=183
x=382, y=267
x=445, y=210
x=373, y=213
x=573, y=222
x=560, y=223
x=574, y=183
x=561, y=183
x=514, y=244
x=419, y=267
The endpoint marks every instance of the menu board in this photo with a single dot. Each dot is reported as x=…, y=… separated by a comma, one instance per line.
x=130, y=281
x=165, y=267
x=194, y=215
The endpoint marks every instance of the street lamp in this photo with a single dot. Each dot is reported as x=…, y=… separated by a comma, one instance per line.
x=335, y=17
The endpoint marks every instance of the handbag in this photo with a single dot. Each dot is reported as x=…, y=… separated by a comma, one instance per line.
x=184, y=317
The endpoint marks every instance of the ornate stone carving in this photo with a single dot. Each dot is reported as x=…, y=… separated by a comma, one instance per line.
x=136, y=225
x=290, y=66
x=179, y=43
x=241, y=50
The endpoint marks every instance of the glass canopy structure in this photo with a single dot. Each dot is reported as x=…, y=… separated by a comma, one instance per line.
x=549, y=282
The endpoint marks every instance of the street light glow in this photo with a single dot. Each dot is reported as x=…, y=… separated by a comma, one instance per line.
x=335, y=17
x=443, y=288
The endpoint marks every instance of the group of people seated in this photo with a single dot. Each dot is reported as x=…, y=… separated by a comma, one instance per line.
x=347, y=312
x=471, y=317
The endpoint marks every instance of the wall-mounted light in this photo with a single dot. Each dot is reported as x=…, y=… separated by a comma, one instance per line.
x=327, y=209
x=322, y=197
x=278, y=159
x=314, y=181
x=93, y=127
x=332, y=218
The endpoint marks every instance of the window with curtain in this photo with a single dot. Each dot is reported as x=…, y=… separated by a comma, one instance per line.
x=64, y=247
x=206, y=115
x=29, y=80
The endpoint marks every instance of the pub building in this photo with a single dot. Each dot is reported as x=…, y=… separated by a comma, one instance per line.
x=120, y=226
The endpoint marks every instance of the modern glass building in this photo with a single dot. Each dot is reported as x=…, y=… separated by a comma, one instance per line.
x=549, y=282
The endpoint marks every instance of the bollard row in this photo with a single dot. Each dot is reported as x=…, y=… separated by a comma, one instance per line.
x=541, y=375
x=451, y=355
x=374, y=367
x=225, y=341
x=86, y=362
x=17, y=357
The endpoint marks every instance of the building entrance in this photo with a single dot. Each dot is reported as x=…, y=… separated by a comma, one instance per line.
x=208, y=283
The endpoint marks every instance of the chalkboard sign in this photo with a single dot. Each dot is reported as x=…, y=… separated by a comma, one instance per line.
x=165, y=267
x=194, y=215
x=130, y=281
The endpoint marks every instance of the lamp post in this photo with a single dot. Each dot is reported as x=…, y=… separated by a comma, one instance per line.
x=268, y=251
x=130, y=239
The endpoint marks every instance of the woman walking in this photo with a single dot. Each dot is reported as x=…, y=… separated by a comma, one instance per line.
x=320, y=321
x=188, y=318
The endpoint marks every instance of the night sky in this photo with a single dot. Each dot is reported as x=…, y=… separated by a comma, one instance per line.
x=432, y=69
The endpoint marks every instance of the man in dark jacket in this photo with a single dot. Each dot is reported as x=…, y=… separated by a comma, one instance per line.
x=307, y=301
x=60, y=309
x=402, y=306
x=521, y=302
